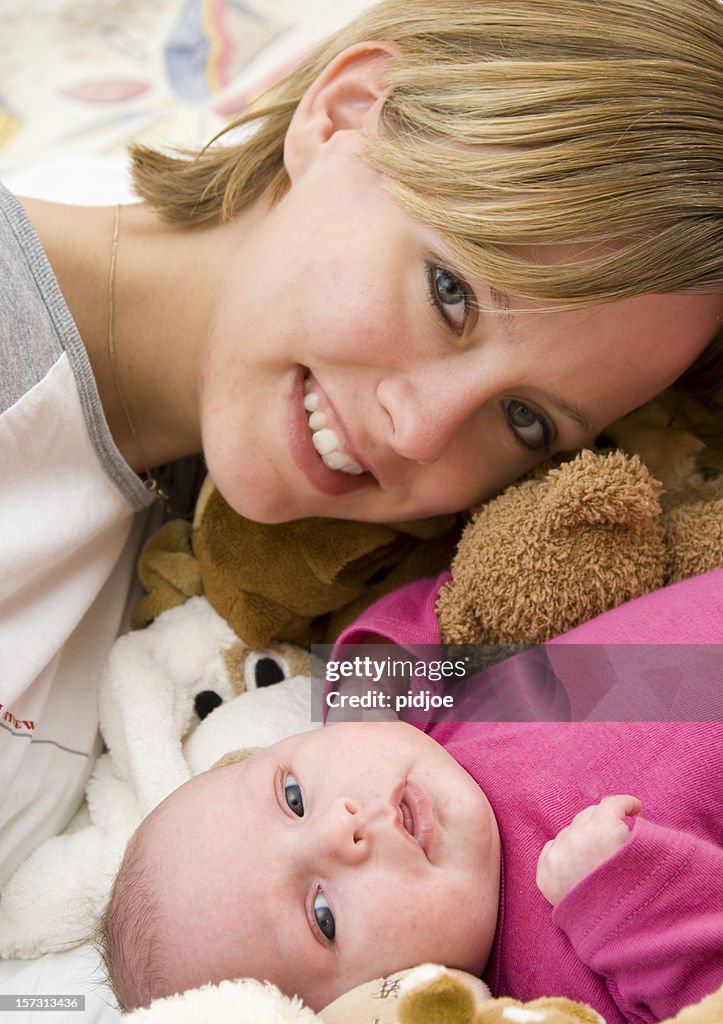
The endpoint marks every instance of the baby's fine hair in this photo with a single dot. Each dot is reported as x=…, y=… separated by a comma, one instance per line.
x=127, y=934
x=514, y=128
x=126, y=931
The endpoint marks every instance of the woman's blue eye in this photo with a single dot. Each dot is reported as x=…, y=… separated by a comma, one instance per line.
x=449, y=296
x=529, y=428
x=292, y=795
x=324, y=916
x=448, y=287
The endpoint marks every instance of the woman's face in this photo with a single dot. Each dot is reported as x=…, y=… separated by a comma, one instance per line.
x=343, y=325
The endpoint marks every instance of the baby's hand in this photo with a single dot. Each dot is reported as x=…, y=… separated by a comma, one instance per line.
x=592, y=836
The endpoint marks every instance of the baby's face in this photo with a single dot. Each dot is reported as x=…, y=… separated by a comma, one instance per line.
x=331, y=858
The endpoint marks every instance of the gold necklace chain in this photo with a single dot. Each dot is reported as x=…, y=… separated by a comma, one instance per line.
x=149, y=479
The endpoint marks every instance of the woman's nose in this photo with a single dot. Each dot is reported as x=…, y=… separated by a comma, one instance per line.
x=427, y=406
x=340, y=834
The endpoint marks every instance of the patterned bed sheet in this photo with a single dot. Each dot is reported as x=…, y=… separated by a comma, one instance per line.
x=83, y=78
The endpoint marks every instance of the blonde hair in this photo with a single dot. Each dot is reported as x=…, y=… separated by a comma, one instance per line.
x=517, y=123
x=516, y=128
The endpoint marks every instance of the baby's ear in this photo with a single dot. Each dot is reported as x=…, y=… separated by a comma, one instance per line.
x=235, y=756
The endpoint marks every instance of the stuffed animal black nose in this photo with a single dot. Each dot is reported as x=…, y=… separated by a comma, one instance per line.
x=268, y=672
x=205, y=701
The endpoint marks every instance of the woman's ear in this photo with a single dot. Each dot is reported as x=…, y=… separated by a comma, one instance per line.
x=346, y=96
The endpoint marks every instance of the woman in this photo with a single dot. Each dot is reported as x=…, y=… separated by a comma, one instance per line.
x=460, y=238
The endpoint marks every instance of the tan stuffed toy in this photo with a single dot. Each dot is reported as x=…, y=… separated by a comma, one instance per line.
x=434, y=995
x=303, y=581
x=298, y=582
x=429, y=994
x=692, y=479
x=569, y=543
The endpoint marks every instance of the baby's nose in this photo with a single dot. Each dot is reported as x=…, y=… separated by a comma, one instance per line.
x=341, y=833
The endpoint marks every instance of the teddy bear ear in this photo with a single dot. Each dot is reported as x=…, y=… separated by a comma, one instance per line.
x=431, y=993
x=427, y=994
x=608, y=490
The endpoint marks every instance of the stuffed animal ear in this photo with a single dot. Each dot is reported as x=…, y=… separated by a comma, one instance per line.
x=429, y=994
x=608, y=490
x=236, y=756
x=168, y=570
x=694, y=538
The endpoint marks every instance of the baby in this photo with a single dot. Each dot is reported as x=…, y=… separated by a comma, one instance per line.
x=356, y=850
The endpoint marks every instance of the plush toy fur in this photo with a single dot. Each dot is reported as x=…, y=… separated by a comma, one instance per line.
x=692, y=478
x=429, y=994
x=304, y=581
x=299, y=582
x=571, y=542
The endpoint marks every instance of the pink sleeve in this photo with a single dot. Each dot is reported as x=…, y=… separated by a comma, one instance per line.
x=650, y=921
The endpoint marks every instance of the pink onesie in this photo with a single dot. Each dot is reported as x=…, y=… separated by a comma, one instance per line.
x=642, y=935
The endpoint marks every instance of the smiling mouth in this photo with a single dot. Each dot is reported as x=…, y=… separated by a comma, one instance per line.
x=325, y=440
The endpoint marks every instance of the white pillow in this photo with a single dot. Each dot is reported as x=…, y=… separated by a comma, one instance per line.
x=73, y=972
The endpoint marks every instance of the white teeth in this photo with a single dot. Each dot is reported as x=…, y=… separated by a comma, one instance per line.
x=336, y=460
x=317, y=420
x=326, y=441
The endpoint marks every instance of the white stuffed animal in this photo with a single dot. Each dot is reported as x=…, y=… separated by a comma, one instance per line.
x=173, y=699
x=441, y=994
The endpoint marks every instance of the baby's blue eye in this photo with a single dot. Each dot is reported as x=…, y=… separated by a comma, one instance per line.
x=324, y=916
x=292, y=795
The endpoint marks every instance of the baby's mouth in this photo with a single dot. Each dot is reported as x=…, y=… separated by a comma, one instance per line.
x=325, y=440
x=407, y=818
x=416, y=815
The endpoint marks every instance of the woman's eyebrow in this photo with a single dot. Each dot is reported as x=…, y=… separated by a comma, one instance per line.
x=569, y=409
x=501, y=304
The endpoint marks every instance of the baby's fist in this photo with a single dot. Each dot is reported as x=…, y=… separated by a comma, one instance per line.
x=592, y=836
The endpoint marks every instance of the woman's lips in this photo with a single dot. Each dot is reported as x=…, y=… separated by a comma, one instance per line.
x=417, y=816
x=305, y=456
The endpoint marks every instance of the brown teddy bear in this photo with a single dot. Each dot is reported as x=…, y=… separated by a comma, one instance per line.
x=571, y=542
x=298, y=582
x=692, y=478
